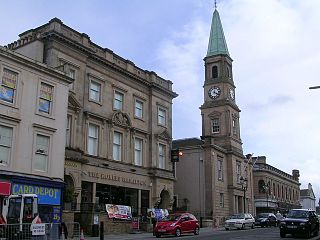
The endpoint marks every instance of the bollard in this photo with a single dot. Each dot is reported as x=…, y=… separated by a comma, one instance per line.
x=101, y=231
x=200, y=222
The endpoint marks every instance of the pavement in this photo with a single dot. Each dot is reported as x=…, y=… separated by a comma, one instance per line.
x=136, y=235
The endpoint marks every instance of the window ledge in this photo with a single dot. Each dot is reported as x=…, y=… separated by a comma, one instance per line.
x=12, y=105
x=45, y=115
x=94, y=101
x=139, y=118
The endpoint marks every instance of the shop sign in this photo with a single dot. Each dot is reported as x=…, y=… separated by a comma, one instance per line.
x=56, y=214
x=118, y=211
x=116, y=178
x=5, y=188
x=135, y=223
x=46, y=195
x=96, y=219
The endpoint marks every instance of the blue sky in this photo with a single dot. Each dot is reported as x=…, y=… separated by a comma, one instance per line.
x=274, y=45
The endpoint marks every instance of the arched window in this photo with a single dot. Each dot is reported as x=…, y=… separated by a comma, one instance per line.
x=214, y=72
x=261, y=187
x=228, y=72
x=215, y=125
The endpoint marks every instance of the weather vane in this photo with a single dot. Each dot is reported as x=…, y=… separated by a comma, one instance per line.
x=215, y=4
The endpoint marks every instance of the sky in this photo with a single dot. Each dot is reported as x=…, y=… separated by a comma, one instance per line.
x=274, y=45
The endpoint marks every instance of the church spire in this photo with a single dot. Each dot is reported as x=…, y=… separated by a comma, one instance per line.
x=217, y=42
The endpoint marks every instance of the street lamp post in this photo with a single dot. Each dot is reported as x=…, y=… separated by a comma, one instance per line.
x=266, y=188
x=244, y=186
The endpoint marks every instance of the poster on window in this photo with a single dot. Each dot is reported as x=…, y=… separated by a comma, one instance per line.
x=6, y=94
x=46, y=92
x=118, y=211
x=9, y=79
x=44, y=106
x=158, y=213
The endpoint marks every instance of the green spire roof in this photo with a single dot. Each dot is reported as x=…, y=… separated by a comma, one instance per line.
x=217, y=42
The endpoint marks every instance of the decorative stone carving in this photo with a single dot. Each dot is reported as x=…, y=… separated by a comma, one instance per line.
x=214, y=114
x=121, y=119
x=235, y=115
x=73, y=103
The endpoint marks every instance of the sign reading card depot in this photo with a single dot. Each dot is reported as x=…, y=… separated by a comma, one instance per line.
x=115, y=178
x=46, y=195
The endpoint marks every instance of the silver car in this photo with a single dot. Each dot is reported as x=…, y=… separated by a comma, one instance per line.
x=240, y=221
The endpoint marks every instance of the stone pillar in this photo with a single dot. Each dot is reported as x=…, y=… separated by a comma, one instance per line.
x=139, y=202
x=94, y=188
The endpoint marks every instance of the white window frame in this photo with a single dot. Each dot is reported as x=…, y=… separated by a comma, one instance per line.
x=51, y=102
x=71, y=72
x=138, y=110
x=41, y=152
x=7, y=146
x=93, y=139
x=162, y=116
x=162, y=156
x=234, y=126
x=215, y=123
x=118, y=100
x=238, y=172
x=69, y=67
x=95, y=91
x=117, y=146
x=11, y=88
x=221, y=202
x=138, y=150
x=68, y=130
x=220, y=169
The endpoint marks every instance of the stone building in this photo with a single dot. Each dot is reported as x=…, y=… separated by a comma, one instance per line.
x=119, y=122
x=274, y=190
x=33, y=112
x=214, y=178
x=308, y=198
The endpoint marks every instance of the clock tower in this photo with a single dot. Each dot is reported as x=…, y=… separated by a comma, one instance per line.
x=220, y=113
x=222, y=170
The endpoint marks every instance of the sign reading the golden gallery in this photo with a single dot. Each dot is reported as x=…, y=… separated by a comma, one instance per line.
x=116, y=178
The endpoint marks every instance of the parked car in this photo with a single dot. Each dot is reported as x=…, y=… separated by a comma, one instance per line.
x=266, y=220
x=177, y=224
x=300, y=221
x=239, y=221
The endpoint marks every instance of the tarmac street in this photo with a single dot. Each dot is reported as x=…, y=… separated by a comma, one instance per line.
x=210, y=233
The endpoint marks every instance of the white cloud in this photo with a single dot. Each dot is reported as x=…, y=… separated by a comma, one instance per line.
x=181, y=58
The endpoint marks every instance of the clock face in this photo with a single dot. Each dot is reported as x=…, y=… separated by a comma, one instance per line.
x=214, y=92
x=231, y=93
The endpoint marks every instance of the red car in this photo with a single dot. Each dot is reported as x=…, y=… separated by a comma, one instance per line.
x=176, y=224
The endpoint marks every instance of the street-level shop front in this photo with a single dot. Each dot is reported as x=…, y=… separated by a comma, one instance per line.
x=49, y=193
x=98, y=186
x=5, y=190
